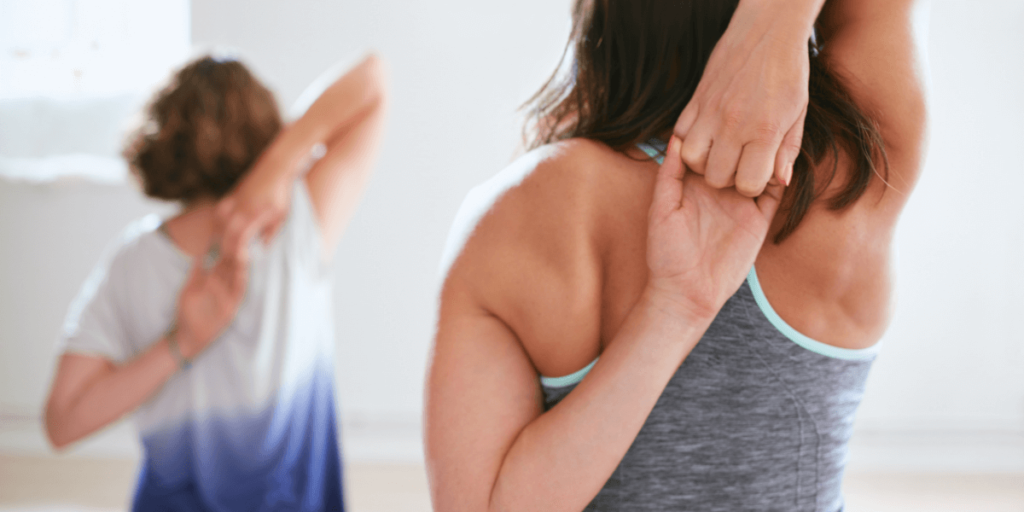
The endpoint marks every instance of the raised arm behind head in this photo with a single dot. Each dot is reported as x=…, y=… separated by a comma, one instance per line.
x=347, y=119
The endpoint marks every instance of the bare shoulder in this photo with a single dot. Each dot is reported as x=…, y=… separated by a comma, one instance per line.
x=551, y=187
x=524, y=249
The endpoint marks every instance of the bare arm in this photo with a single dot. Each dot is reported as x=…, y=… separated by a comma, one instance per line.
x=877, y=47
x=348, y=119
x=489, y=444
x=90, y=392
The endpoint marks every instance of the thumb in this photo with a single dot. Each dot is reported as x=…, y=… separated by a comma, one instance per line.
x=790, y=150
x=769, y=200
x=271, y=231
x=668, y=187
x=270, y=223
x=686, y=120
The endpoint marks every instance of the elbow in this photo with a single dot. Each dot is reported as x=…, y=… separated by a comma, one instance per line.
x=56, y=431
x=376, y=72
x=58, y=444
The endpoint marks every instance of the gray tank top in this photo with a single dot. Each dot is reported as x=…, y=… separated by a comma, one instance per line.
x=757, y=418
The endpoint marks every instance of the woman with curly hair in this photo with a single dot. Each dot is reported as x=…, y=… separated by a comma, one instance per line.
x=224, y=357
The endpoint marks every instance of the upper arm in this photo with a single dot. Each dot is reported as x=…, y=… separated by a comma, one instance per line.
x=482, y=390
x=878, y=47
x=349, y=117
x=522, y=296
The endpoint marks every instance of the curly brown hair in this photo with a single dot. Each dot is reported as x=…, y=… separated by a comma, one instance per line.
x=203, y=131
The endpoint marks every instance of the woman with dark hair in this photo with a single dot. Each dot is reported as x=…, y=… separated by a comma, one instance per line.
x=619, y=335
x=224, y=357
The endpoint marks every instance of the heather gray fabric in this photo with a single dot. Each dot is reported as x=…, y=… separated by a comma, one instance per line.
x=751, y=421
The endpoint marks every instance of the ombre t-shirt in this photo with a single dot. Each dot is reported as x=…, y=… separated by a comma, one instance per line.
x=251, y=424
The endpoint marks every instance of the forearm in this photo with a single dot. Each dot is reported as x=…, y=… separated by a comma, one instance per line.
x=844, y=15
x=341, y=106
x=109, y=395
x=561, y=460
x=781, y=18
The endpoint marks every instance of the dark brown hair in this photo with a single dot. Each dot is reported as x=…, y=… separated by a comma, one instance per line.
x=635, y=66
x=203, y=131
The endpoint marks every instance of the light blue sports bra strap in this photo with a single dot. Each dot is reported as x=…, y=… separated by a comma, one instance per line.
x=567, y=380
x=655, y=149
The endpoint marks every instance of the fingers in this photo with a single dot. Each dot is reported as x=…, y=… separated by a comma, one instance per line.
x=768, y=202
x=270, y=230
x=240, y=230
x=233, y=234
x=723, y=158
x=790, y=149
x=697, y=146
x=668, y=187
x=231, y=272
x=755, y=169
x=686, y=120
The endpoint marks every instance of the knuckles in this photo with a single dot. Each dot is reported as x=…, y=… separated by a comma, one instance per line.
x=718, y=180
x=692, y=159
x=749, y=189
x=766, y=131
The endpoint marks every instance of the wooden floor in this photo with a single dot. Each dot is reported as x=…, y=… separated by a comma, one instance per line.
x=54, y=484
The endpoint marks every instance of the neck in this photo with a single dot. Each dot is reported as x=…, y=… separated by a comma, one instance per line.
x=192, y=230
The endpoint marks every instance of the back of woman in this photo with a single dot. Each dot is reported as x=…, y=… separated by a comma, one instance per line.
x=550, y=271
x=251, y=423
x=222, y=349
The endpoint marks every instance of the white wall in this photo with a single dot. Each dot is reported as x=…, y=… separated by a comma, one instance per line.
x=458, y=70
x=952, y=371
x=955, y=355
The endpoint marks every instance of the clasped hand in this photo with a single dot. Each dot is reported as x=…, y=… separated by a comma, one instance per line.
x=743, y=127
x=211, y=296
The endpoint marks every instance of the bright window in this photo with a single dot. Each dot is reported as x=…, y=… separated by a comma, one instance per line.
x=82, y=48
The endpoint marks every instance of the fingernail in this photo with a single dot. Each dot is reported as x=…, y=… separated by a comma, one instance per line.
x=789, y=173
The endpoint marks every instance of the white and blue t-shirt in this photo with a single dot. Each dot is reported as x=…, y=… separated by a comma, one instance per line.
x=251, y=424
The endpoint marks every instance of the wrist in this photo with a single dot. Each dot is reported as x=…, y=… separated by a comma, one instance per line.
x=782, y=19
x=289, y=154
x=179, y=351
x=662, y=300
x=188, y=344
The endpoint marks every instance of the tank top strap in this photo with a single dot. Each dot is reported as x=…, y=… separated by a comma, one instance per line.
x=654, y=148
x=567, y=380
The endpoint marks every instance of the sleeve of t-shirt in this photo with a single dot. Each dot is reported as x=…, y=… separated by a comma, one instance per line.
x=303, y=235
x=93, y=326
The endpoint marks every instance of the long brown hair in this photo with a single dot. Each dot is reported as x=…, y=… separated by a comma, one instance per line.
x=635, y=65
x=203, y=131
